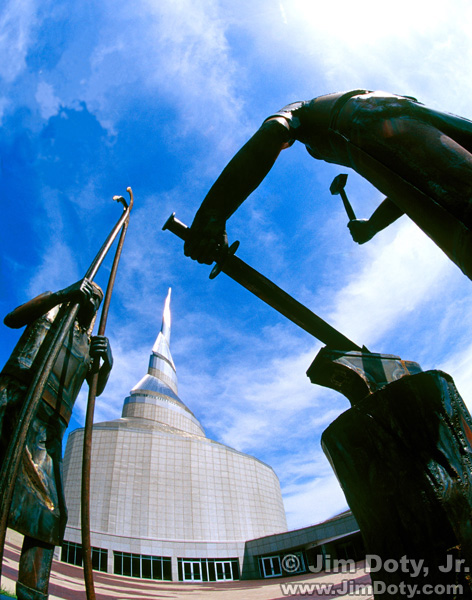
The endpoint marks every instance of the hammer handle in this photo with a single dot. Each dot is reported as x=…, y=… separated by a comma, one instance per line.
x=176, y=227
x=347, y=205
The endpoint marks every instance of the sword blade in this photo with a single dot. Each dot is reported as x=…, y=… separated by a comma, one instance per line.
x=274, y=296
x=292, y=309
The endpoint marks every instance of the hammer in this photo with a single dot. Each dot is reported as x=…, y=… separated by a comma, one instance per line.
x=337, y=187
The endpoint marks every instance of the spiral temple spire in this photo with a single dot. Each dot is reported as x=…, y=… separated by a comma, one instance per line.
x=155, y=396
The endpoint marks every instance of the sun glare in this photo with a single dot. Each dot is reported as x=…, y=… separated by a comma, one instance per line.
x=368, y=21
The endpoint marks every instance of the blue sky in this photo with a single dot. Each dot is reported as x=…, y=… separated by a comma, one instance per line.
x=158, y=96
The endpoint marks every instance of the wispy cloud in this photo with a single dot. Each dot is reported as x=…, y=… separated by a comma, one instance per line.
x=394, y=280
x=48, y=102
x=180, y=57
x=17, y=20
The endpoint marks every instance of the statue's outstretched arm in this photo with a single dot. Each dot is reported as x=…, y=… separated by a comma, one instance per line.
x=81, y=291
x=240, y=177
x=363, y=230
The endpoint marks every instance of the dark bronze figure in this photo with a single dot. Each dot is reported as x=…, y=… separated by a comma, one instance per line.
x=421, y=159
x=402, y=455
x=402, y=452
x=38, y=508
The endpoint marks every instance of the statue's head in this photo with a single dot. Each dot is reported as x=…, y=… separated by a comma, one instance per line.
x=88, y=312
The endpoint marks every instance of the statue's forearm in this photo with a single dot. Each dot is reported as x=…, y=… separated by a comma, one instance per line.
x=385, y=215
x=31, y=310
x=244, y=172
x=39, y=306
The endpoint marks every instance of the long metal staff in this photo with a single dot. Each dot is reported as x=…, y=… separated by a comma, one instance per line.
x=87, y=451
x=51, y=347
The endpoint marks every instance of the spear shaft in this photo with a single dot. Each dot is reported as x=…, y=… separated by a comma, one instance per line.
x=88, y=429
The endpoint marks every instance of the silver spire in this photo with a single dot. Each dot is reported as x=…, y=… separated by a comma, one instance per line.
x=156, y=395
x=166, y=320
x=161, y=364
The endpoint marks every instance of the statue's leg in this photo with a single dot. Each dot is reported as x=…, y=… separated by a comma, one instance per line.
x=34, y=571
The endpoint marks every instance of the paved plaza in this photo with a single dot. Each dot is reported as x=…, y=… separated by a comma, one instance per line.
x=67, y=584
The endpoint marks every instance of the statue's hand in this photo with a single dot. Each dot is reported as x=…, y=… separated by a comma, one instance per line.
x=361, y=230
x=99, y=347
x=80, y=292
x=205, y=239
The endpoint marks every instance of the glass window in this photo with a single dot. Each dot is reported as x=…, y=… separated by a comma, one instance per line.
x=118, y=563
x=270, y=566
x=211, y=570
x=100, y=559
x=296, y=563
x=235, y=563
x=146, y=567
x=143, y=566
x=166, y=569
x=126, y=564
x=136, y=565
x=71, y=553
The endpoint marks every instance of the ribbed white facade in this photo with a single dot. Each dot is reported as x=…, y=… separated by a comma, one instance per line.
x=161, y=488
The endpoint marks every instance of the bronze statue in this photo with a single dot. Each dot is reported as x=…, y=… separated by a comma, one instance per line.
x=421, y=159
x=402, y=456
x=38, y=509
x=404, y=424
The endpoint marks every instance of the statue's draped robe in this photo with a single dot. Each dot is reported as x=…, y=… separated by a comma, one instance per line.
x=38, y=507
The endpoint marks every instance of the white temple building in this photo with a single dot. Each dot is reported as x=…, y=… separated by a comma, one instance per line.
x=166, y=501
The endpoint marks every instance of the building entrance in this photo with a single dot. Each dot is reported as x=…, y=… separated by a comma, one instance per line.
x=271, y=566
x=224, y=571
x=191, y=570
x=208, y=569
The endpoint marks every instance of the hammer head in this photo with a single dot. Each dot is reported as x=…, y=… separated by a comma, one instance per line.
x=338, y=184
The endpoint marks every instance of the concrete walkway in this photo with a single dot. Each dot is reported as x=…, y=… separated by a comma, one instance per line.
x=67, y=584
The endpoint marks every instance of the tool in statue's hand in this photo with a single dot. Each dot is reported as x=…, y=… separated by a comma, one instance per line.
x=267, y=291
x=337, y=188
x=361, y=229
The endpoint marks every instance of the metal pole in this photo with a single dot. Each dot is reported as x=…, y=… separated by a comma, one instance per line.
x=88, y=429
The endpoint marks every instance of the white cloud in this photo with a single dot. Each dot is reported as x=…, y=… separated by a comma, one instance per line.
x=57, y=270
x=48, y=102
x=418, y=48
x=314, y=501
x=175, y=51
x=17, y=20
x=392, y=280
x=310, y=489
x=58, y=266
